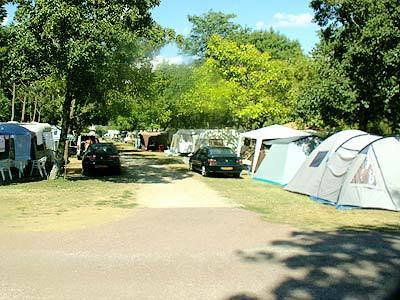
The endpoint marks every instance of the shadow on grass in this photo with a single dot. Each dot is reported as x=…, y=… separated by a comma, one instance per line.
x=351, y=263
x=139, y=168
x=17, y=180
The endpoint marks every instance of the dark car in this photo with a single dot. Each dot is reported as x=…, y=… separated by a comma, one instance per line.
x=216, y=160
x=101, y=156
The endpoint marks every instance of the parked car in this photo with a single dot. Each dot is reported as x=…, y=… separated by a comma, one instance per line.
x=221, y=160
x=83, y=142
x=101, y=156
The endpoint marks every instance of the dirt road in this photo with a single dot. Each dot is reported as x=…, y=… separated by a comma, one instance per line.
x=185, y=241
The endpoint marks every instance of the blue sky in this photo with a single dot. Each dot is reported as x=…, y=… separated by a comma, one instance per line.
x=290, y=17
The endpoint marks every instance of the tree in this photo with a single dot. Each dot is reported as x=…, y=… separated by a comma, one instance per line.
x=361, y=40
x=3, y=12
x=328, y=99
x=277, y=45
x=206, y=103
x=204, y=27
x=76, y=39
x=265, y=90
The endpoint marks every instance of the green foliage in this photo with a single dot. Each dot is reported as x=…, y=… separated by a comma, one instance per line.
x=4, y=108
x=264, y=89
x=328, y=98
x=361, y=40
x=277, y=45
x=206, y=103
x=204, y=27
x=3, y=12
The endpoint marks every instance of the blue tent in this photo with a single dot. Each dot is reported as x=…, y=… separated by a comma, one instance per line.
x=22, y=140
x=13, y=129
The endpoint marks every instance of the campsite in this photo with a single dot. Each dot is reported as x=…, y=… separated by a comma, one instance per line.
x=227, y=150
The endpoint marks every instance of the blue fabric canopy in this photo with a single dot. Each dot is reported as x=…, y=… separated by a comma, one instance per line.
x=13, y=129
x=22, y=140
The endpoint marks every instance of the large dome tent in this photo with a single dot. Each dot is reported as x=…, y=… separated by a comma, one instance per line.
x=309, y=177
x=373, y=179
x=352, y=169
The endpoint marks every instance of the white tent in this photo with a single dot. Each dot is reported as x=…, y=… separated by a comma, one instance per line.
x=352, y=168
x=56, y=131
x=284, y=159
x=186, y=141
x=43, y=132
x=373, y=179
x=268, y=133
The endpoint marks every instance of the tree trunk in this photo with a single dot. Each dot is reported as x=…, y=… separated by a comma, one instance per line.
x=13, y=103
x=34, y=111
x=23, y=109
x=61, y=155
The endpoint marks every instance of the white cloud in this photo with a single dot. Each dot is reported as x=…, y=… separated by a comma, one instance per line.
x=4, y=21
x=172, y=60
x=282, y=20
x=260, y=25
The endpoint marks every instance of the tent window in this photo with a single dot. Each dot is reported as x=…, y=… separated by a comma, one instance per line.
x=318, y=159
x=365, y=174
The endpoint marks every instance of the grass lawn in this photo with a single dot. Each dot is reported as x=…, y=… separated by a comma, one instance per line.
x=63, y=205
x=280, y=206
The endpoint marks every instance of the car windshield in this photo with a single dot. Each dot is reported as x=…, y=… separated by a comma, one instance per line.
x=221, y=151
x=103, y=149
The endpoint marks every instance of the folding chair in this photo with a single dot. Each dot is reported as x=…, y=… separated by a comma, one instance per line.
x=39, y=165
x=5, y=165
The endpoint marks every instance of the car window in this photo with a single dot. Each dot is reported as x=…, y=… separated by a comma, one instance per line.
x=221, y=151
x=103, y=149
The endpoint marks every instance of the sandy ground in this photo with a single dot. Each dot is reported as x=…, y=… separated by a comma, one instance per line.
x=187, y=242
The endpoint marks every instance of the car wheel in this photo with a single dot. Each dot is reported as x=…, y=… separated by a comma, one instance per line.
x=236, y=175
x=204, y=171
x=116, y=171
x=85, y=172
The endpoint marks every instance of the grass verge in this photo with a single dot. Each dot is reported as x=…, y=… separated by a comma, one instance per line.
x=63, y=205
x=279, y=206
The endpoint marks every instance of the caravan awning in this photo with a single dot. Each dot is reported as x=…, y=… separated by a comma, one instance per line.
x=13, y=129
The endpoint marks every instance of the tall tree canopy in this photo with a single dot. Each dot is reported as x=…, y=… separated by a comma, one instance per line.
x=277, y=45
x=76, y=41
x=204, y=27
x=360, y=49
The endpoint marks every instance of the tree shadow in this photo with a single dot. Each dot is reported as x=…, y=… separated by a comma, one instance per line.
x=350, y=263
x=145, y=169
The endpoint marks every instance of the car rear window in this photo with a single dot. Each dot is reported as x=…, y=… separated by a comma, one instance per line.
x=221, y=151
x=104, y=149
